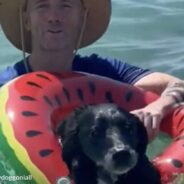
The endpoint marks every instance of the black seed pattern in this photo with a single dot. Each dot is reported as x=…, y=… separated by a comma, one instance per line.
x=48, y=101
x=67, y=94
x=128, y=96
x=180, y=122
x=178, y=111
x=92, y=87
x=80, y=94
x=29, y=113
x=108, y=96
x=177, y=100
x=33, y=133
x=43, y=76
x=58, y=100
x=45, y=153
x=179, y=138
x=27, y=98
x=177, y=163
x=181, y=131
x=34, y=84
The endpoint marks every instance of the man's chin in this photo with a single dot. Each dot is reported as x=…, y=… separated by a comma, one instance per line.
x=53, y=47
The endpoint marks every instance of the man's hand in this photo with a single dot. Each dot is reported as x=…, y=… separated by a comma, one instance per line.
x=171, y=91
x=153, y=114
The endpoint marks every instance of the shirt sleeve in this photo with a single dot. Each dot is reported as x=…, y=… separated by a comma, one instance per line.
x=128, y=73
x=107, y=67
x=112, y=68
x=8, y=74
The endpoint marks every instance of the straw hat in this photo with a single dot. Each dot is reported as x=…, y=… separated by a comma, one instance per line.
x=99, y=12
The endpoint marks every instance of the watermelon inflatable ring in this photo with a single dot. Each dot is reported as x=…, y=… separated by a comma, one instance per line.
x=32, y=106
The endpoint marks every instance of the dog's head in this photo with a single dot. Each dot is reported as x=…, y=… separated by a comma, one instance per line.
x=106, y=134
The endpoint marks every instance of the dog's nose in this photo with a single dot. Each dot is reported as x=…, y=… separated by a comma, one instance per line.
x=121, y=161
x=121, y=156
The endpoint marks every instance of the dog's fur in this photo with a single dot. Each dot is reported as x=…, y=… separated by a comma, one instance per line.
x=103, y=144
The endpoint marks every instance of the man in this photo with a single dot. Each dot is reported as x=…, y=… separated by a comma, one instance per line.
x=53, y=30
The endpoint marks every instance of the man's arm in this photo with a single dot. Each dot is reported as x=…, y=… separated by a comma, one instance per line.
x=171, y=91
x=156, y=82
x=170, y=88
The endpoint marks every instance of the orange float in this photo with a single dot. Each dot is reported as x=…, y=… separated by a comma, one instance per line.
x=32, y=106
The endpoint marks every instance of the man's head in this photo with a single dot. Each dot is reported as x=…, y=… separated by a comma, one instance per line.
x=97, y=20
x=54, y=24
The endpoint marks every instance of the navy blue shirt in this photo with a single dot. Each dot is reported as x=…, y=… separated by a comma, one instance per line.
x=112, y=68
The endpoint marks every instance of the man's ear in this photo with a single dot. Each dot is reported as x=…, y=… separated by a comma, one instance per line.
x=27, y=23
x=26, y=18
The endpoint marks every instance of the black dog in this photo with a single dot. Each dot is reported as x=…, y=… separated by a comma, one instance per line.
x=103, y=144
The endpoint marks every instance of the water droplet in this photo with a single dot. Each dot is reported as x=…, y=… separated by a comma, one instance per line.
x=63, y=180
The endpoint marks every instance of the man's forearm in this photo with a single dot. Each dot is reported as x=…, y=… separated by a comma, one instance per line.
x=171, y=97
x=175, y=90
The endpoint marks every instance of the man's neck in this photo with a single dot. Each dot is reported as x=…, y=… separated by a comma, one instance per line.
x=51, y=61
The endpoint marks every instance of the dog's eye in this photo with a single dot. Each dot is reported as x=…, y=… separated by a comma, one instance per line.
x=97, y=132
x=128, y=129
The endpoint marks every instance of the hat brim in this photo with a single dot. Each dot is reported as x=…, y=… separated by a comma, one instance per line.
x=99, y=12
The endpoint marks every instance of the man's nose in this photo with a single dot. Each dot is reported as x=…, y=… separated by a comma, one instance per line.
x=54, y=16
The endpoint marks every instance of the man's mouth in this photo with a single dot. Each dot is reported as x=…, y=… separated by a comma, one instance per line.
x=55, y=31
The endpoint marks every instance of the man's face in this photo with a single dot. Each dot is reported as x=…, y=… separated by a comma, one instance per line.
x=54, y=24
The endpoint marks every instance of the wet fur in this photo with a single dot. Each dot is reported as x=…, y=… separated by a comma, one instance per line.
x=84, y=162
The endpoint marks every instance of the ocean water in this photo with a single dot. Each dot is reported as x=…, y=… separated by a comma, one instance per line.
x=142, y=32
x=145, y=33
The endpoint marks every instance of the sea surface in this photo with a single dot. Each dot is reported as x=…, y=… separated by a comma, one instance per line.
x=146, y=33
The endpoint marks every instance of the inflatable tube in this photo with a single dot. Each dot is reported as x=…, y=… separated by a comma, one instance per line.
x=32, y=106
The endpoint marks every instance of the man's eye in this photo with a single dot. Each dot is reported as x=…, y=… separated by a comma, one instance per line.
x=66, y=5
x=41, y=6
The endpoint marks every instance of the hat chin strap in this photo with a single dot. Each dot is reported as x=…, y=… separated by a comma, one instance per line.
x=23, y=39
x=81, y=31
x=23, y=36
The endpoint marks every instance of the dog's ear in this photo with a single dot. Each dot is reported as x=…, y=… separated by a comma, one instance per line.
x=142, y=138
x=69, y=125
x=68, y=133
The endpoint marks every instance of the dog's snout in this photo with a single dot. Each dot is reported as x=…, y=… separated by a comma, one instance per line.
x=121, y=156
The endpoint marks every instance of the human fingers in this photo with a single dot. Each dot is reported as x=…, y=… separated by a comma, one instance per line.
x=148, y=123
x=139, y=114
x=156, y=120
x=146, y=119
x=154, y=127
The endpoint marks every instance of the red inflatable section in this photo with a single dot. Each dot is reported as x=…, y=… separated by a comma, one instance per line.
x=171, y=162
x=41, y=100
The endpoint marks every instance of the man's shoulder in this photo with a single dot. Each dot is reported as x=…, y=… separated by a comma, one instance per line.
x=99, y=65
x=100, y=61
x=111, y=67
x=93, y=57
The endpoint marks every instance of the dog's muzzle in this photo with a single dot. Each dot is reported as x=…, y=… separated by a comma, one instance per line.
x=120, y=160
